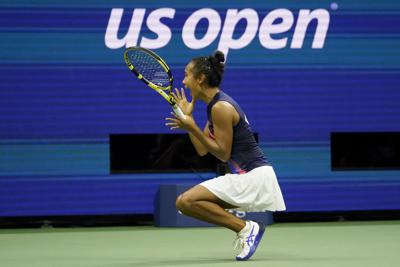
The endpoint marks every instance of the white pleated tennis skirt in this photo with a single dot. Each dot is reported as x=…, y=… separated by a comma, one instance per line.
x=257, y=190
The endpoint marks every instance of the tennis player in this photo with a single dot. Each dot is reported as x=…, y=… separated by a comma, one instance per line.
x=252, y=185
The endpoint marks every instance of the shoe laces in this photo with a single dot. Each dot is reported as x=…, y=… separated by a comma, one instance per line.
x=238, y=244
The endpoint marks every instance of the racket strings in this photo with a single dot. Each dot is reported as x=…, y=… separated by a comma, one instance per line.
x=149, y=68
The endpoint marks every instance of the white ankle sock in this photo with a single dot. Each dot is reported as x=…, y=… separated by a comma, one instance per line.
x=245, y=228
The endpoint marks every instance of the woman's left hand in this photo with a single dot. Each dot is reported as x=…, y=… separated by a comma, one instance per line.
x=186, y=122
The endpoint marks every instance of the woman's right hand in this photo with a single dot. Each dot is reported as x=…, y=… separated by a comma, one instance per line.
x=180, y=98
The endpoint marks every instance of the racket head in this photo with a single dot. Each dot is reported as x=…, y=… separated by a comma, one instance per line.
x=149, y=68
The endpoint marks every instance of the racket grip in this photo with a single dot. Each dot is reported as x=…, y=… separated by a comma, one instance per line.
x=178, y=111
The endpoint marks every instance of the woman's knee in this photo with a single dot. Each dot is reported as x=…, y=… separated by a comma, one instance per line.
x=183, y=202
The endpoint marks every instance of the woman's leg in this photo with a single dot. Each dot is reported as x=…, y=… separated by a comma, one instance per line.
x=200, y=203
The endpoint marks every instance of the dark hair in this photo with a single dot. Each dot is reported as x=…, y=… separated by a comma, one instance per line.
x=212, y=67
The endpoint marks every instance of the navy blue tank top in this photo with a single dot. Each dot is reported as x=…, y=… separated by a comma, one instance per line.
x=246, y=154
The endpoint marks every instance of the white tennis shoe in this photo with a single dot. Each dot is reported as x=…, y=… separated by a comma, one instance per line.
x=247, y=240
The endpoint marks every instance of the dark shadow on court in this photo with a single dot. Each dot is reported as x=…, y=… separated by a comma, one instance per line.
x=258, y=260
x=183, y=262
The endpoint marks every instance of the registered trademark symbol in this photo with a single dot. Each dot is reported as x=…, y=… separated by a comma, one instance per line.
x=334, y=6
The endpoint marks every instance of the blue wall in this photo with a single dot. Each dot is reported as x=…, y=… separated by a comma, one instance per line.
x=63, y=90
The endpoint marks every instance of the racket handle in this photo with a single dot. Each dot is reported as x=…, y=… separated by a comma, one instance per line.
x=178, y=111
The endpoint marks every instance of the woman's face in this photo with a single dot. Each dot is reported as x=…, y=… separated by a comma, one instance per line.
x=190, y=81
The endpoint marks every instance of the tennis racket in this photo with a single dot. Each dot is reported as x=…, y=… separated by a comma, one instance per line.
x=153, y=71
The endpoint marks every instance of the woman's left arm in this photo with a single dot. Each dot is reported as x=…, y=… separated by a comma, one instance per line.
x=223, y=115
